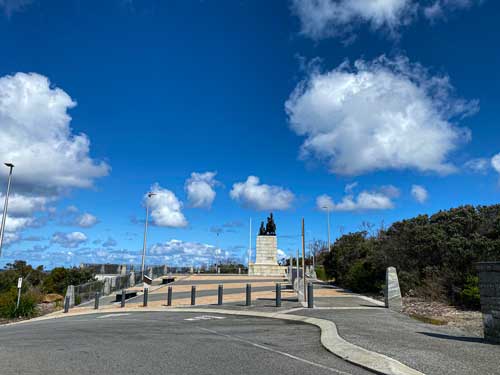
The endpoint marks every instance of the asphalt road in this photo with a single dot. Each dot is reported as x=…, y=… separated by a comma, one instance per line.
x=173, y=343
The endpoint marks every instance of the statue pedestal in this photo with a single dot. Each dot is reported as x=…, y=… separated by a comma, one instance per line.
x=266, y=263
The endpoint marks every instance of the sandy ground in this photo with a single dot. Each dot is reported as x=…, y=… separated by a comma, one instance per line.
x=466, y=320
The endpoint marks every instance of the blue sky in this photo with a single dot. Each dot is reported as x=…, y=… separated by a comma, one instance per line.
x=380, y=110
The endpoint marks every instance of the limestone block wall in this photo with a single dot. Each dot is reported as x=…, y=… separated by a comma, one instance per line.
x=489, y=288
x=266, y=250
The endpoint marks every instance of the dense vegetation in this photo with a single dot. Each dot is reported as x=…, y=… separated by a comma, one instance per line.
x=36, y=283
x=434, y=255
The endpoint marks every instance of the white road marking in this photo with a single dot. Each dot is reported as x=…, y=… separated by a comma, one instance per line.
x=291, y=310
x=347, y=308
x=204, y=317
x=112, y=315
x=372, y=300
x=236, y=338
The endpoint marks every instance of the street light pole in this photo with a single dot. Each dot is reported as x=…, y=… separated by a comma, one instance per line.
x=249, y=245
x=328, y=223
x=150, y=194
x=4, y=217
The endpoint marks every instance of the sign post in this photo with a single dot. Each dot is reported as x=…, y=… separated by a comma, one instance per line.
x=19, y=286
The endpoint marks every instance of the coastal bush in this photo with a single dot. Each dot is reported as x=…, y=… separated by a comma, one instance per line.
x=435, y=255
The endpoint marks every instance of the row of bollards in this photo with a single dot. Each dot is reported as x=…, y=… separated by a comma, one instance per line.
x=220, y=296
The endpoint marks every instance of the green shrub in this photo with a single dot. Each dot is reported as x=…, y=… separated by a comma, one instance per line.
x=321, y=273
x=27, y=304
x=361, y=278
x=470, y=293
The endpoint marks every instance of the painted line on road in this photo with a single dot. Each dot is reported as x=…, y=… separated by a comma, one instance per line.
x=372, y=300
x=112, y=315
x=204, y=317
x=346, y=308
x=260, y=346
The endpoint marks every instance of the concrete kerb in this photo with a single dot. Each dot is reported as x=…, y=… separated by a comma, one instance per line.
x=330, y=338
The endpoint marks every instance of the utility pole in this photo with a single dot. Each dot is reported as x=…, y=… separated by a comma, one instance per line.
x=328, y=224
x=217, y=251
x=150, y=194
x=303, y=260
x=249, y=245
x=4, y=217
x=298, y=272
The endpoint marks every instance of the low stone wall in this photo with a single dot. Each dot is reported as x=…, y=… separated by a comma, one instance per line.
x=489, y=289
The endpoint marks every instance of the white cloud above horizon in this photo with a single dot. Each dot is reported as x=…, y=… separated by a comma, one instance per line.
x=378, y=115
x=50, y=160
x=200, y=189
x=495, y=162
x=380, y=199
x=69, y=240
x=72, y=216
x=165, y=208
x=478, y=165
x=87, y=220
x=253, y=194
x=419, y=193
x=320, y=19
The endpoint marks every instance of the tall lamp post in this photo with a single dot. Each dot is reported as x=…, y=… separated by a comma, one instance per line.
x=150, y=194
x=4, y=217
x=328, y=224
x=249, y=245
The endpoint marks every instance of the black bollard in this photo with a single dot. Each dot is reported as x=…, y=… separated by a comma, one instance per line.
x=278, y=295
x=193, y=295
x=96, y=302
x=66, y=304
x=249, y=295
x=169, y=296
x=310, y=295
x=146, y=291
x=124, y=294
x=220, y=294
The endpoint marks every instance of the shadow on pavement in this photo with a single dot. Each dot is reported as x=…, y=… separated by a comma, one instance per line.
x=456, y=338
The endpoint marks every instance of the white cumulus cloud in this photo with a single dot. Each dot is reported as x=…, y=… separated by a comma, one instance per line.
x=340, y=18
x=478, y=165
x=87, y=220
x=380, y=199
x=253, y=194
x=37, y=138
x=165, y=208
x=495, y=162
x=200, y=189
x=438, y=8
x=419, y=193
x=384, y=114
x=69, y=240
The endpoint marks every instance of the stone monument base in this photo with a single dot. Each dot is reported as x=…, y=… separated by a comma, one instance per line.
x=260, y=269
